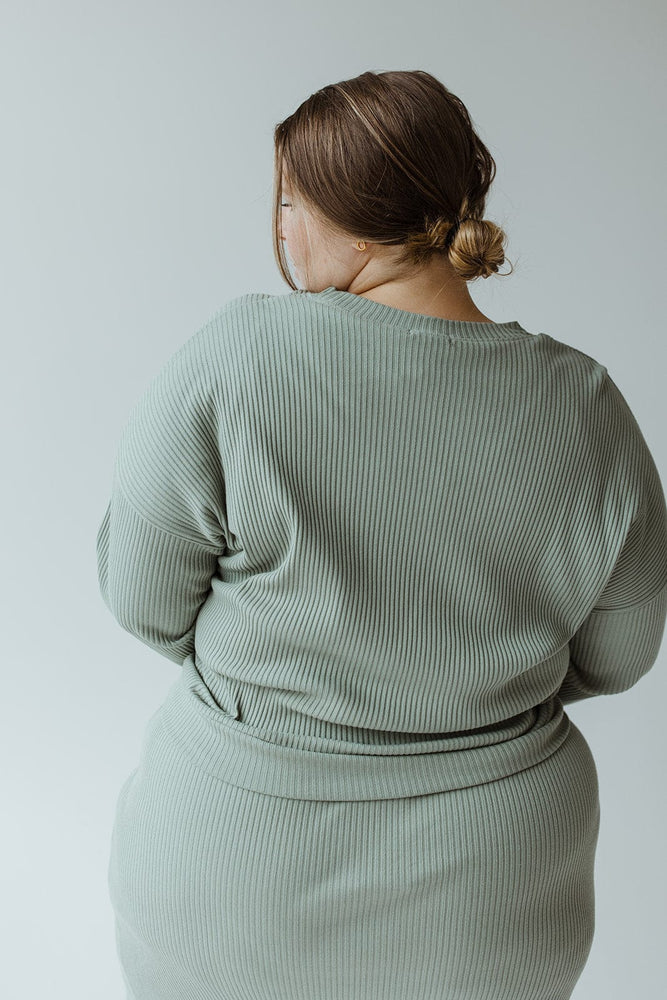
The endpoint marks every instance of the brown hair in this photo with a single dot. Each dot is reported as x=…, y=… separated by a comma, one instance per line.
x=391, y=158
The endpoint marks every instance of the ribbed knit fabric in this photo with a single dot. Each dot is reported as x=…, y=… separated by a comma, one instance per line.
x=386, y=549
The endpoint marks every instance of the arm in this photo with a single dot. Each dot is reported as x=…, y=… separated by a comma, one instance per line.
x=154, y=583
x=612, y=650
x=620, y=639
x=164, y=526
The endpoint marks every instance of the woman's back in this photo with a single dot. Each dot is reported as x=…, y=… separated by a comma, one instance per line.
x=407, y=520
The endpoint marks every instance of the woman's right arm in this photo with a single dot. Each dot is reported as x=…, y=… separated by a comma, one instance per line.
x=620, y=639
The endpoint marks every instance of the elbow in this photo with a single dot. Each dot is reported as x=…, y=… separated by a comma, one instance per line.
x=175, y=645
x=614, y=675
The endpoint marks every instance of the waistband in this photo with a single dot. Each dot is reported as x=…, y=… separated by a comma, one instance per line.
x=310, y=767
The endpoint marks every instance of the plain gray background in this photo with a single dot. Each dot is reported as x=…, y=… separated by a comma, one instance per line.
x=136, y=200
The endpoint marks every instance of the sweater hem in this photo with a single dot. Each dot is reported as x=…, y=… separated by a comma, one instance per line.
x=224, y=748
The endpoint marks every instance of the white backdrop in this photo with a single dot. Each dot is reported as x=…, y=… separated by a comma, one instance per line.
x=136, y=199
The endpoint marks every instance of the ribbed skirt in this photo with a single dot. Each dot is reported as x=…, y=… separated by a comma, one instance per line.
x=477, y=893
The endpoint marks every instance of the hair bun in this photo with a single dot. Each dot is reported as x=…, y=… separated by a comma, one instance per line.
x=476, y=248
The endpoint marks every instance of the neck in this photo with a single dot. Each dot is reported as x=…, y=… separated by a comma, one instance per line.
x=435, y=290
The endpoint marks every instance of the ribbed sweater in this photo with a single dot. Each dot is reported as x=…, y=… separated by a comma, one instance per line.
x=386, y=548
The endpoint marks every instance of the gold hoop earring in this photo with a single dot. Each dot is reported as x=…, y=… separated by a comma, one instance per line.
x=361, y=245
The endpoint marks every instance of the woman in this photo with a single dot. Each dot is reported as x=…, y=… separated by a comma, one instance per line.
x=387, y=538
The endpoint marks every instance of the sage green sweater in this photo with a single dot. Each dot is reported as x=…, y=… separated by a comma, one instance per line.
x=363, y=523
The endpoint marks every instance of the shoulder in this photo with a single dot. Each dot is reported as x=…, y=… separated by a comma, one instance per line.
x=247, y=331
x=589, y=379
x=253, y=315
x=263, y=304
x=597, y=406
x=577, y=379
x=566, y=357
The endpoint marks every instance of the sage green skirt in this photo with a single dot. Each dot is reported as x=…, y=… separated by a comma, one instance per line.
x=224, y=892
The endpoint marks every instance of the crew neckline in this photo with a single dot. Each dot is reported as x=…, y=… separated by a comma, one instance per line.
x=412, y=322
